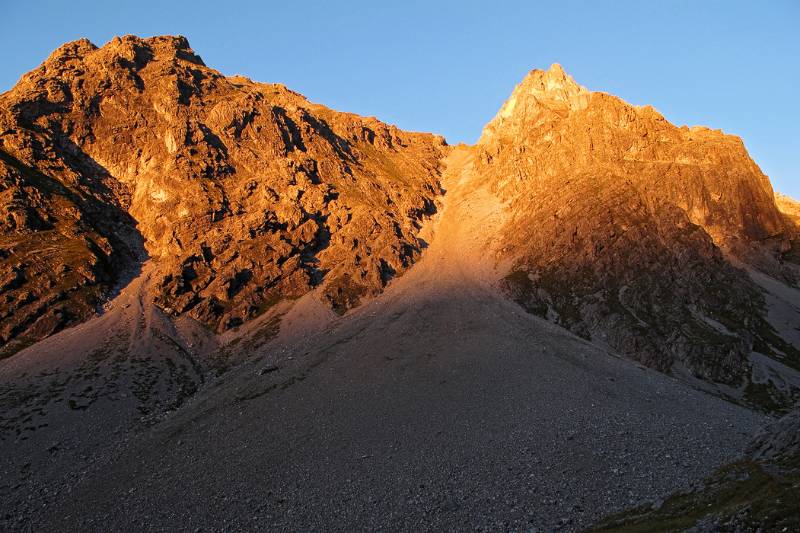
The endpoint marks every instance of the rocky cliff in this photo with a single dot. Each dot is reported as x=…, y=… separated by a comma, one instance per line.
x=621, y=222
x=789, y=207
x=551, y=127
x=244, y=193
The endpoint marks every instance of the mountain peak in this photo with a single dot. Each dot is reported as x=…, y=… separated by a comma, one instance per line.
x=556, y=67
x=540, y=91
x=72, y=50
x=160, y=46
x=551, y=84
x=165, y=47
x=554, y=78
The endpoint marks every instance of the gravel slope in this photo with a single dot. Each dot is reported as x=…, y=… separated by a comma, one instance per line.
x=438, y=405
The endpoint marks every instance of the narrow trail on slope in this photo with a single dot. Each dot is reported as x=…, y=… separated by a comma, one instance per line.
x=439, y=405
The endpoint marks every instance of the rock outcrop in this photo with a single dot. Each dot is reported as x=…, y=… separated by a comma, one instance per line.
x=789, y=207
x=244, y=193
x=620, y=223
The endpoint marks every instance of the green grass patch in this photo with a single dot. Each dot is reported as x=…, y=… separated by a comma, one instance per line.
x=740, y=496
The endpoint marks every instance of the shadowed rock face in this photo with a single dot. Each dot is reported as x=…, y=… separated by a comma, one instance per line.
x=618, y=223
x=243, y=192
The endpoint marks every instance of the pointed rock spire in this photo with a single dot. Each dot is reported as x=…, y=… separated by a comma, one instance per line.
x=539, y=91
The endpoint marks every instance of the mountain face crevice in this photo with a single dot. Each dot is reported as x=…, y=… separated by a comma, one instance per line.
x=244, y=193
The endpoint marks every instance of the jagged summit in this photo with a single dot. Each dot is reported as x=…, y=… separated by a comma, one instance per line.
x=72, y=49
x=552, y=84
x=161, y=45
x=245, y=193
x=128, y=50
x=540, y=92
x=574, y=130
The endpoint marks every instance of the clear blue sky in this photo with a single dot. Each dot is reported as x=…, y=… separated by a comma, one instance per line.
x=447, y=66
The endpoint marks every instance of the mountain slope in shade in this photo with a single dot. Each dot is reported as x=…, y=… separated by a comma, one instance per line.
x=245, y=193
x=620, y=226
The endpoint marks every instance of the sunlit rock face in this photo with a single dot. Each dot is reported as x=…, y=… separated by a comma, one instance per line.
x=243, y=192
x=618, y=224
x=789, y=207
x=551, y=127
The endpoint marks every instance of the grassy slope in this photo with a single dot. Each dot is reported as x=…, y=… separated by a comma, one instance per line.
x=743, y=496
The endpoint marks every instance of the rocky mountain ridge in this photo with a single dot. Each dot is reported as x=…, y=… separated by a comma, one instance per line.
x=622, y=228
x=244, y=193
x=707, y=173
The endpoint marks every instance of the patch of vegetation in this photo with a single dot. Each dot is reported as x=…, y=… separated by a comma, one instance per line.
x=743, y=496
x=344, y=293
x=767, y=398
x=768, y=341
x=270, y=300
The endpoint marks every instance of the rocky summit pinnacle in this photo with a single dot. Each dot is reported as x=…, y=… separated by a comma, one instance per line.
x=541, y=92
